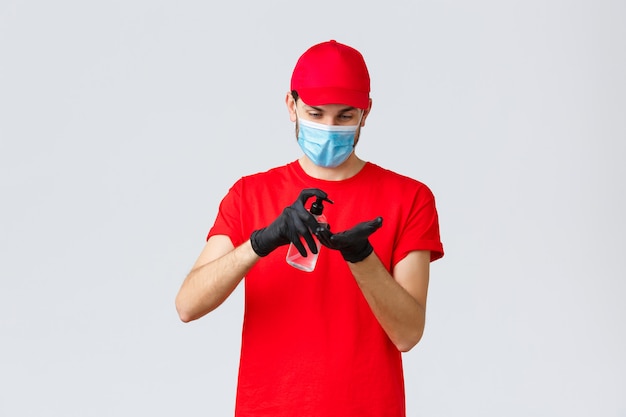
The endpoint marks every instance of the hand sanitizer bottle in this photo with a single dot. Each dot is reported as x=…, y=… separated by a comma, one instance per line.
x=307, y=263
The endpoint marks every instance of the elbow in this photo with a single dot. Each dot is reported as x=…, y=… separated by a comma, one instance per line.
x=406, y=346
x=185, y=318
x=411, y=334
x=408, y=342
x=184, y=313
x=190, y=310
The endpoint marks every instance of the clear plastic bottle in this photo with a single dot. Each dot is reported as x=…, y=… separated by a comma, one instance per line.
x=308, y=263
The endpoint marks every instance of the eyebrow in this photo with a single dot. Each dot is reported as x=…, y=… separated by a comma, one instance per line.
x=349, y=108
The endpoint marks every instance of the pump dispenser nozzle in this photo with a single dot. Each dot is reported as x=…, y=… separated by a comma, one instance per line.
x=317, y=208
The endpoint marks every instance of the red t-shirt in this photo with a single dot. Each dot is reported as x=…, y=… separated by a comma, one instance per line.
x=311, y=345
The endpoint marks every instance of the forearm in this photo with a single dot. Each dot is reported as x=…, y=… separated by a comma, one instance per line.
x=207, y=286
x=399, y=313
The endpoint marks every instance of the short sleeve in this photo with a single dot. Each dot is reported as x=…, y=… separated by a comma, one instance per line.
x=228, y=220
x=421, y=231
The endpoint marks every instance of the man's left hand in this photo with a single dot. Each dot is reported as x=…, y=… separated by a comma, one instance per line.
x=353, y=244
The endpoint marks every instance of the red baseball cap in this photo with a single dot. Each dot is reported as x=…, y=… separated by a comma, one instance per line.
x=332, y=73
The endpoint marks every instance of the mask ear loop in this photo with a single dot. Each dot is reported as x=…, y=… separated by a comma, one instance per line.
x=358, y=129
x=295, y=109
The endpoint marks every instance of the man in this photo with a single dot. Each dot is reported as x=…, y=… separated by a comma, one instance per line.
x=327, y=342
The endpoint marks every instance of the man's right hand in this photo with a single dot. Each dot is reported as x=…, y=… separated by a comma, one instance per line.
x=293, y=223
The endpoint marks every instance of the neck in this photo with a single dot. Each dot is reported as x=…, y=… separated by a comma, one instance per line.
x=348, y=169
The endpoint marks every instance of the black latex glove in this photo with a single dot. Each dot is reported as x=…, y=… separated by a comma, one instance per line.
x=353, y=244
x=293, y=223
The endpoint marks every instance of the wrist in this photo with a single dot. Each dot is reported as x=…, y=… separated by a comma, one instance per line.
x=256, y=244
x=358, y=254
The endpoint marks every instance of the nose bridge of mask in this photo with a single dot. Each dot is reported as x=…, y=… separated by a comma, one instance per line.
x=328, y=128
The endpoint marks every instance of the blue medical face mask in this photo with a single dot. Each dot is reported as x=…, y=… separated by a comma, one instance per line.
x=327, y=146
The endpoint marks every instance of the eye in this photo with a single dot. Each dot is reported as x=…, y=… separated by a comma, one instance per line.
x=346, y=117
x=314, y=114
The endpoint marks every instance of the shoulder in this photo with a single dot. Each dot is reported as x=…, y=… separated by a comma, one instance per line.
x=276, y=184
x=262, y=179
x=268, y=175
x=388, y=178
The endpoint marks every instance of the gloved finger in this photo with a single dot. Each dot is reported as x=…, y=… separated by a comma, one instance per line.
x=373, y=225
x=298, y=228
x=308, y=238
x=295, y=239
x=312, y=192
x=324, y=234
x=306, y=218
x=359, y=232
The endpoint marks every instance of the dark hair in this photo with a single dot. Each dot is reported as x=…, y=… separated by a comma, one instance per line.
x=295, y=95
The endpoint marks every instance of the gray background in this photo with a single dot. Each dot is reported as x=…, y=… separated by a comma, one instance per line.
x=123, y=123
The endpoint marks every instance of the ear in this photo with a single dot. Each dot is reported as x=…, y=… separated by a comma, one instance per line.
x=366, y=112
x=291, y=107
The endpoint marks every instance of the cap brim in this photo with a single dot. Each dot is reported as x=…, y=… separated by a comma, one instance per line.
x=331, y=95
